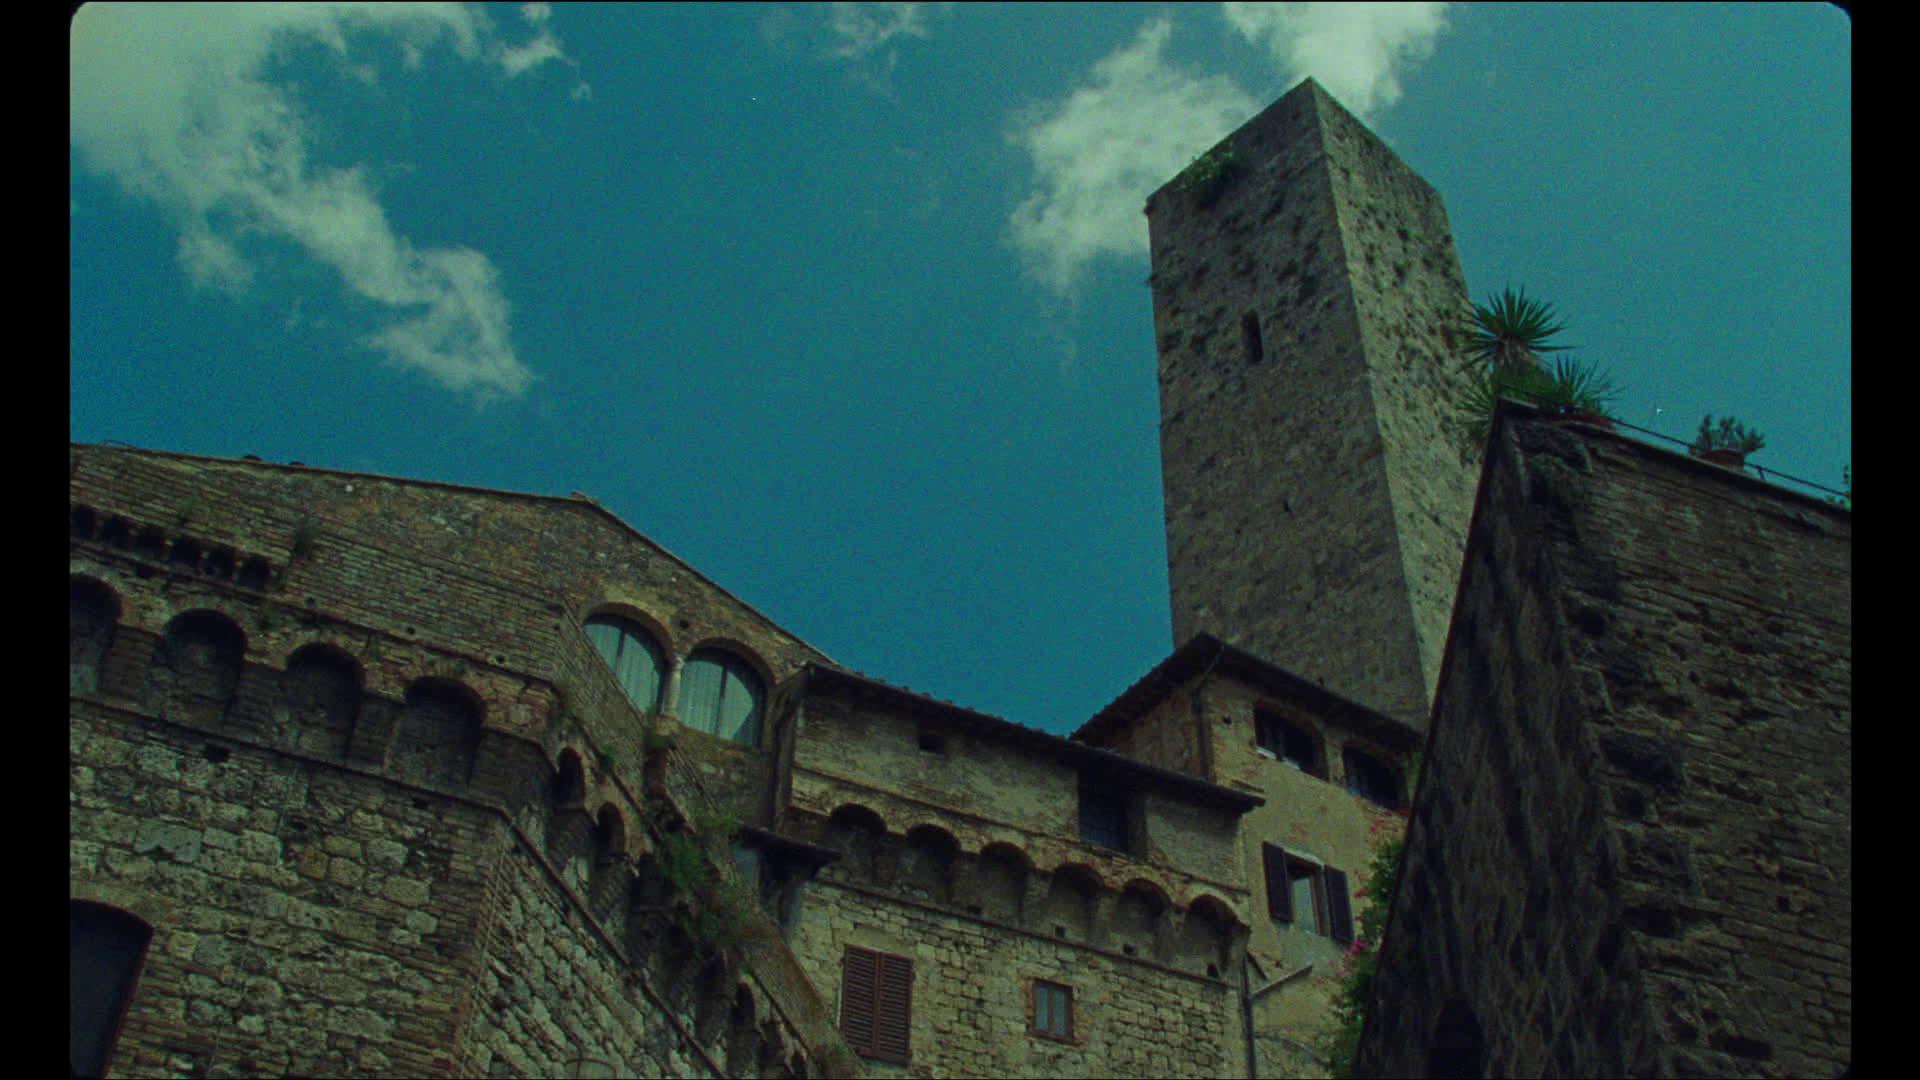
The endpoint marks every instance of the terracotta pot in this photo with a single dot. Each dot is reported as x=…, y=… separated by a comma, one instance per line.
x=1732, y=459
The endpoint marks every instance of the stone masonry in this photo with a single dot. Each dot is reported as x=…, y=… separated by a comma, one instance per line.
x=1315, y=504
x=1631, y=853
x=360, y=784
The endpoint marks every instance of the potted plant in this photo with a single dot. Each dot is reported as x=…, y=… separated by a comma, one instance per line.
x=1727, y=443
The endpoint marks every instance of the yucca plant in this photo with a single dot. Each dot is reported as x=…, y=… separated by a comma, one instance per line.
x=1510, y=331
x=1567, y=387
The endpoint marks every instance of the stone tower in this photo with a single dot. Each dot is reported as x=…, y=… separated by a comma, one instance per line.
x=1303, y=281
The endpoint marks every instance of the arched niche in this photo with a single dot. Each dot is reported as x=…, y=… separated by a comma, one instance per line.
x=742, y=1051
x=607, y=887
x=93, y=613
x=1457, y=1050
x=196, y=668
x=438, y=735
x=857, y=833
x=1206, y=936
x=318, y=701
x=1067, y=911
x=570, y=828
x=1140, y=919
x=926, y=863
x=999, y=881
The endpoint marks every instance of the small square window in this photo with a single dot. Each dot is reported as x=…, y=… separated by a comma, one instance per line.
x=1289, y=742
x=1103, y=818
x=933, y=743
x=1372, y=779
x=1052, y=1010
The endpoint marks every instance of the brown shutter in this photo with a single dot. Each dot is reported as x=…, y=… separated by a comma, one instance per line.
x=859, y=978
x=1279, y=887
x=1338, y=907
x=893, y=1013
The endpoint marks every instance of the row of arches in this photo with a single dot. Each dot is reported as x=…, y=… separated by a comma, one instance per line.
x=1000, y=882
x=182, y=552
x=197, y=670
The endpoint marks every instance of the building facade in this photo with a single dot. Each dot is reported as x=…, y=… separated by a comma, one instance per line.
x=374, y=776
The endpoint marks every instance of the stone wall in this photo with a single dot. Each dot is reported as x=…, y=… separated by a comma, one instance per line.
x=972, y=981
x=960, y=851
x=1631, y=853
x=1315, y=507
x=365, y=850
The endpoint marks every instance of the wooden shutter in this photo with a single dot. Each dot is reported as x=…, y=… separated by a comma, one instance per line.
x=893, y=1015
x=876, y=1004
x=1338, y=907
x=1279, y=886
x=859, y=978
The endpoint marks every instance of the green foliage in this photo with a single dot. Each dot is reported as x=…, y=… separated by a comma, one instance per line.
x=304, y=536
x=718, y=902
x=1729, y=434
x=1567, y=387
x=1510, y=331
x=1362, y=960
x=1207, y=177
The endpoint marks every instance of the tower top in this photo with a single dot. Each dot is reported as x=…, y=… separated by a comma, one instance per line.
x=1304, y=278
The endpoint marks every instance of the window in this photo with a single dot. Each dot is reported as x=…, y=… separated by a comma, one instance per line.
x=1289, y=742
x=1250, y=337
x=1372, y=779
x=720, y=694
x=1052, y=1010
x=636, y=662
x=105, y=949
x=1103, y=817
x=876, y=1004
x=1308, y=895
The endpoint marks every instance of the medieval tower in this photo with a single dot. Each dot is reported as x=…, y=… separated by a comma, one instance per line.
x=360, y=786
x=1303, y=282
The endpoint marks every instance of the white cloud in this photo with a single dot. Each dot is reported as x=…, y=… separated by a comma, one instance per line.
x=1135, y=121
x=1355, y=51
x=857, y=30
x=173, y=102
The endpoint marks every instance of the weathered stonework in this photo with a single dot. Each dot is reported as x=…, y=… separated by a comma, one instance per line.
x=343, y=746
x=1632, y=850
x=1315, y=504
x=1202, y=705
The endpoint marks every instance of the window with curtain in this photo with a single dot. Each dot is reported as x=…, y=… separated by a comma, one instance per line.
x=636, y=661
x=720, y=694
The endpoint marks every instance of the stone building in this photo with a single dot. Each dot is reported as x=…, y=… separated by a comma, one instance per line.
x=375, y=776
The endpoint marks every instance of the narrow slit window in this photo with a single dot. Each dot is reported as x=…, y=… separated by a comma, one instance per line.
x=1250, y=338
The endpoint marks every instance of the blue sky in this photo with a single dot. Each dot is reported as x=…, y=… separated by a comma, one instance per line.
x=846, y=305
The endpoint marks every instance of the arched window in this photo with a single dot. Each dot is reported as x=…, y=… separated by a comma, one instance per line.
x=106, y=947
x=719, y=693
x=630, y=651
